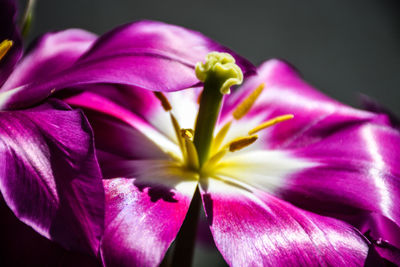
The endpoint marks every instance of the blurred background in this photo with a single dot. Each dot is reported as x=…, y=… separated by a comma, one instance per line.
x=342, y=47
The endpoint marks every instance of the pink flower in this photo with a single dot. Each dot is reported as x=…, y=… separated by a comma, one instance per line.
x=287, y=172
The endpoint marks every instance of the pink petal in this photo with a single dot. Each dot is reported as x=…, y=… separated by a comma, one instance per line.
x=149, y=55
x=52, y=53
x=256, y=229
x=49, y=176
x=315, y=115
x=143, y=215
x=356, y=173
x=144, y=104
x=103, y=113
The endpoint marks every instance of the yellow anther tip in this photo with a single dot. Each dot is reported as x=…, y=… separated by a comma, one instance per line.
x=163, y=100
x=289, y=116
x=242, y=142
x=5, y=46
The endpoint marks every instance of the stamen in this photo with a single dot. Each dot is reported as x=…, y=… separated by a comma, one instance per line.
x=220, y=137
x=177, y=130
x=192, y=158
x=5, y=46
x=164, y=101
x=271, y=122
x=242, y=142
x=243, y=108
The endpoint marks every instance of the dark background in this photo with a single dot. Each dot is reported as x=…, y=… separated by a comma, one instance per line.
x=341, y=47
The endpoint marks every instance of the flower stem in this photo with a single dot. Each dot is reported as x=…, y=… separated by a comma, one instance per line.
x=185, y=240
x=210, y=105
x=218, y=73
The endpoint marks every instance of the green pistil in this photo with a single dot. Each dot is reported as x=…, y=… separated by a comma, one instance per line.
x=218, y=73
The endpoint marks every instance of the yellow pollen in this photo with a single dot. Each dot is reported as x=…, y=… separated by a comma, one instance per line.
x=5, y=46
x=164, y=101
x=187, y=133
x=243, y=108
x=242, y=142
x=271, y=122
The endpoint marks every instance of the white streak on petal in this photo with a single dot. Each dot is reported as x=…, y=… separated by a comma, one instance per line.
x=264, y=170
x=376, y=171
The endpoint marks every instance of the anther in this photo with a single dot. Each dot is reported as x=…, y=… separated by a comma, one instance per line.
x=243, y=108
x=242, y=142
x=164, y=101
x=187, y=133
x=271, y=122
x=5, y=46
x=177, y=129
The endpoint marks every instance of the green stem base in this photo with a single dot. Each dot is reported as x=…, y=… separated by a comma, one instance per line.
x=185, y=240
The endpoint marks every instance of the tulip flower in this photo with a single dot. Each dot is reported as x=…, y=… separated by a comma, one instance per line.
x=49, y=174
x=285, y=173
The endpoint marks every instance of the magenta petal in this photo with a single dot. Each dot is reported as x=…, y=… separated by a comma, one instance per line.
x=9, y=30
x=163, y=40
x=141, y=220
x=52, y=53
x=121, y=140
x=383, y=233
x=315, y=115
x=49, y=176
x=256, y=229
x=149, y=55
x=356, y=172
x=126, y=102
x=105, y=113
x=388, y=252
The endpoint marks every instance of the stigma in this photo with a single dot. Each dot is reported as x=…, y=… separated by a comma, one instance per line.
x=220, y=68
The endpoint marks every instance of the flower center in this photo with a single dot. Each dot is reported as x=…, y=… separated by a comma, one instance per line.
x=201, y=150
